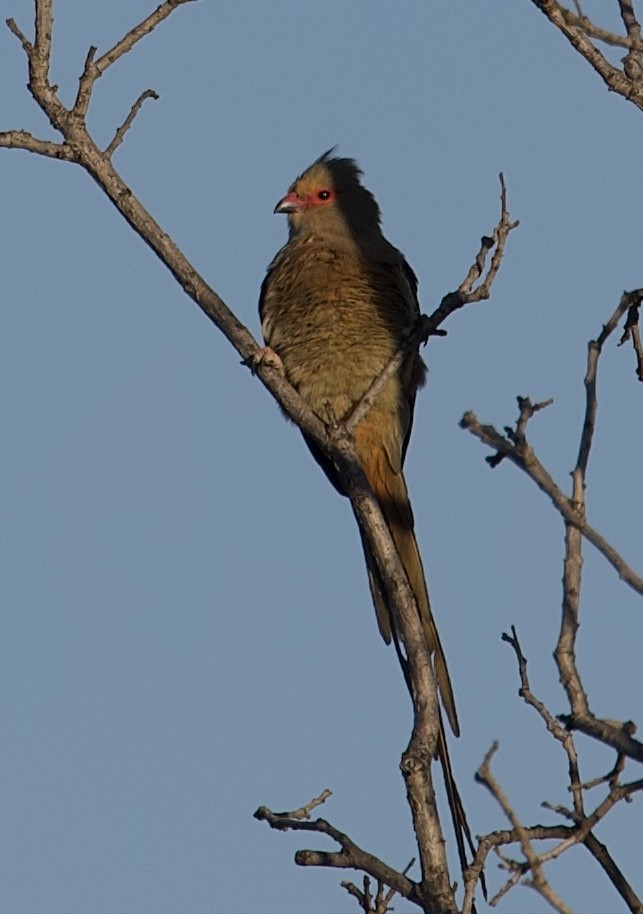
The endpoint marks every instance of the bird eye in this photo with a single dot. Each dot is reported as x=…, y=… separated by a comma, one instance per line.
x=324, y=195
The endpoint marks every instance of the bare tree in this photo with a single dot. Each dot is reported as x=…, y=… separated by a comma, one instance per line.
x=434, y=890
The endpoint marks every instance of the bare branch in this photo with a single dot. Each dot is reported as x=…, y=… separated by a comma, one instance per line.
x=614, y=874
x=584, y=822
x=612, y=733
x=350, y=857
x=534, y=863
x=119, y=136
x=381, y=903
x=565, y=653
x=500, y=235
x=523, y=456
x=632, y=64
x=44, y=25
x=86, y=84
x=580, y=21
x=514, y=446
x=553, y=726
x=304, y=811
x=580, y=833
x=629, y=83
x=467, y=293
x=13, y=28
x=20, y=139
x=134, y=35
x=565, y=649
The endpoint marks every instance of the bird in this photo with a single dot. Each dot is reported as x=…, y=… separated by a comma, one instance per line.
x=336, y=304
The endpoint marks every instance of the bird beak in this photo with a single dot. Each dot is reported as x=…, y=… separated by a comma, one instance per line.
x=291, y=203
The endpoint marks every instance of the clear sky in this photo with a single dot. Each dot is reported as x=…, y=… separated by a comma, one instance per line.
x=186, y=626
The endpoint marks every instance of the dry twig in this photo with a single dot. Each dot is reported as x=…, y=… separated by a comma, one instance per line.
x=351, y=856
x=516, y=449
x=382, y=901
x=578, y=30
x=533, y=863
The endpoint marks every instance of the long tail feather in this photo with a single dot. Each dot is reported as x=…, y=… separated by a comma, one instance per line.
x=391, y=492
x=390, y=489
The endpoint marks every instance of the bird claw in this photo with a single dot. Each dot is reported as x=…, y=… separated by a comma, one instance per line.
x=265, y=357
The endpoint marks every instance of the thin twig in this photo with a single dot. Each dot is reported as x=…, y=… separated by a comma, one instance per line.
x=304, y=811
x=381, y=903
x=85, y=85
x=560, y=733
x=414, y=338
x=538, y=882
x=350, y=857
x=523, y=456
x=467, y=293
x=582, y=22
x=119, y=136
x=13, y=28
x=134, y=35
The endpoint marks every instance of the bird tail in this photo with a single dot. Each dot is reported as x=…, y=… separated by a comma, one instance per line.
x=392, y=495
x=391, y=492
x=458, y=815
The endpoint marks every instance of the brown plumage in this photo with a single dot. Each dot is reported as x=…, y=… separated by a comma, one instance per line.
x=335, y=306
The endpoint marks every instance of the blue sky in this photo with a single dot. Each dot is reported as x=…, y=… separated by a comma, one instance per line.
x=186, y=629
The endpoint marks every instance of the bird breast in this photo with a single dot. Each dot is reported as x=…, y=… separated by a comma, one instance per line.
x=335, y=321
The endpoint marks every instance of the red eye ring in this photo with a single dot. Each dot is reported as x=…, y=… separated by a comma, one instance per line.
x=324, y=195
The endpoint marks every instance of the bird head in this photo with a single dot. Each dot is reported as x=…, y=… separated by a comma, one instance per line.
x=329, y=198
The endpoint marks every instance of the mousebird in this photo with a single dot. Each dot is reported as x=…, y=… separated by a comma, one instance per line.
x=337, y=303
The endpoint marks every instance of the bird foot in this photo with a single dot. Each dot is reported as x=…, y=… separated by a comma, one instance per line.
x=266, y=357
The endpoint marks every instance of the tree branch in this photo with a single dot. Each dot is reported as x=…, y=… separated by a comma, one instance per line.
x=119, y=136
x=20, y=139
x=467, y=292
x=614, y=874
x=351, y=855
x=134, y=35
x=523, y=456
x=627, y=82
x=485, y=776
x=381, y=903
x=595, y=31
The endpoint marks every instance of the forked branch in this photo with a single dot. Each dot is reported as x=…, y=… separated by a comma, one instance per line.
x=579, y=30
x=350, y=855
